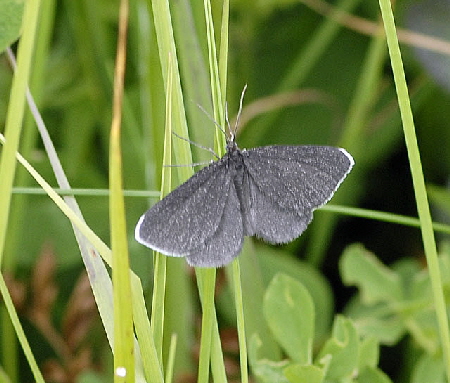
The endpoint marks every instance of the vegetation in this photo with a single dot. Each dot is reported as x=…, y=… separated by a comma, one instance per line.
x=359, y=297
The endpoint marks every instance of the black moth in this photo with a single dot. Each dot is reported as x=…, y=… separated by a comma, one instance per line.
x=269, y=192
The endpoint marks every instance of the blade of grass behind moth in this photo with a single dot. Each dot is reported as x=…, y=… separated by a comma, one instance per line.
x=210, y=346
x=236, y=270
x=189, y=36
x=178, y=302
x=223, y=66
x=166, y=47
x=159, y=260
x=150, y=88
x=209, y=337
x=217, y=92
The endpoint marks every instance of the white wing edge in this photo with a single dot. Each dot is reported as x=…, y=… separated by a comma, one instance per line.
x=142, y=241
x=350, y=158
x=352, y=162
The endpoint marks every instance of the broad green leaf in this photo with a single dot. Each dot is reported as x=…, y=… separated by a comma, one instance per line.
x=10, y=22
x=341, y=351
x=377, y=282
x=275, y=260
x=297, y=373
x=289, y=312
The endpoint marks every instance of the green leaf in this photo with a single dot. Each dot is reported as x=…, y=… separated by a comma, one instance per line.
x=376, y=282
x=374, y=375
x=429, y=368
x=415, y=279
x=10, y=22
x=423, y=328
x=378, y=321
x=369, y=352
x=289, y=312
x=266, y=370
x=341, y=351
x=275, y=260
x=297, y=373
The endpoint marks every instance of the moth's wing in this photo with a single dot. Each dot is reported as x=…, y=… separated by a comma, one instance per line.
x=226, y=242
x=190, y=215
x=267, y=219
x=298, y=177
x=286, y=183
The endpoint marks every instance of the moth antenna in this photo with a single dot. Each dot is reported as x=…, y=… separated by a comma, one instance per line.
x=197, y=145
x=232, y=133
x=183, y=166
x=241, y=101
x=211, y=119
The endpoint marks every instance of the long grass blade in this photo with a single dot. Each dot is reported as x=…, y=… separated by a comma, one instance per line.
x=423, y=208
x=124, y=360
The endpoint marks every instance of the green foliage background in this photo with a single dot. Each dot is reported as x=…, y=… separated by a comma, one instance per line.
x=338, y=90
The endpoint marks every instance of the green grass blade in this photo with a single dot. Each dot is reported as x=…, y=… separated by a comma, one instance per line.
x=243, y=356
x=19, y=331
x=223, y=52
x=166, y=48
x=160, y=266
x=423, y=208
x=383, y=216
x=124, y=359
x=171, y=360
x=189, y=36
x=207, y=281
x=223, y=65
x=13, y=128
x=15, y=114
x=210, y=348
x=178, y=301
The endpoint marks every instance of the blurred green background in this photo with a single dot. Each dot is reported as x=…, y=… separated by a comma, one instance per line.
x=306, y=79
